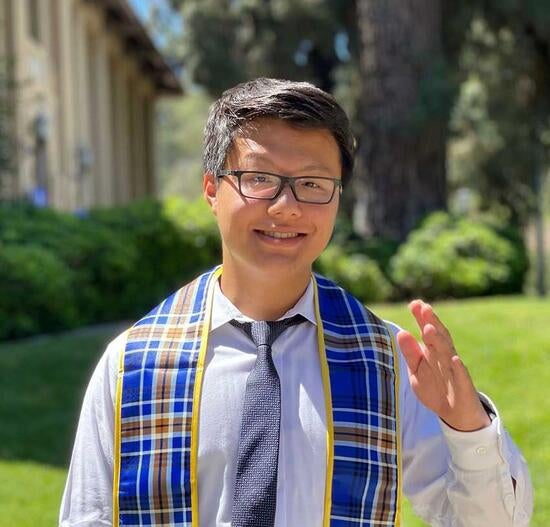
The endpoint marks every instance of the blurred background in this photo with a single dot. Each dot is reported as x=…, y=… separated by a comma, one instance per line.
x=102, y=106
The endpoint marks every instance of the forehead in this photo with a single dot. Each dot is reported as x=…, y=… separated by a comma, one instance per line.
x=277, y=145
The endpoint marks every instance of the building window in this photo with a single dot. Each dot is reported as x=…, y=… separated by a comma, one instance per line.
x=34, y=19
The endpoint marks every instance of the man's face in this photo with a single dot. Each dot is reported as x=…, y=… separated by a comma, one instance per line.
x=249, y=227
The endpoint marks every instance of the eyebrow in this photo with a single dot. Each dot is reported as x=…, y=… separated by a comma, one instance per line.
x=307, y=168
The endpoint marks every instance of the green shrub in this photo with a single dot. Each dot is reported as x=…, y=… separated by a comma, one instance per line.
x=457, y=257
x=199, y=228
x=98, y=257
x=116, y=263
x=37, y=291
x=355, y=272
x=378, y=249
x=167, y=254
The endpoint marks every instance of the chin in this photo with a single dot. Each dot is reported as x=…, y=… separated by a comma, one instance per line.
x=277, y=264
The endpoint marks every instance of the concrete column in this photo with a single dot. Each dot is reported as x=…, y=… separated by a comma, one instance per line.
x=95, y=122
x=50, y=10
x=147, y=124
x=121, y=130
x=139, y=143
x=106, y=194
x=84, y=153
x=7, y=37
x=68, y=105
x=151, y=173
x=23, y=157
x=133, y=144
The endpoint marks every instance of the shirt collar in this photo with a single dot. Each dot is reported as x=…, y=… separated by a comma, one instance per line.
x=223, y=310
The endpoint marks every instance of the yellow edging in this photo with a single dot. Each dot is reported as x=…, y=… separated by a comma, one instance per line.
x=199, y=371
x=328, y=407
x=116, y=460
x=397, y=430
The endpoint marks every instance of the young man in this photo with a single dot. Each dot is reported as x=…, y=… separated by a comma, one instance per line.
x=205, y=413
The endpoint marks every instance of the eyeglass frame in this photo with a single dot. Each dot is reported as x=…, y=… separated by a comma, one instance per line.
x=285, y=180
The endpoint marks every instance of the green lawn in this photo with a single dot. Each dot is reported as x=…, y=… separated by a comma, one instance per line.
x=504, y=341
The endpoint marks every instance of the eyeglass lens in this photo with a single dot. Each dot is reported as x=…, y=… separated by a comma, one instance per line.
x=266, y=186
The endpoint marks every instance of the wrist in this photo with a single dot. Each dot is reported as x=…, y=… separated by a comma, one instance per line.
x=469, y=425
x=481, y=417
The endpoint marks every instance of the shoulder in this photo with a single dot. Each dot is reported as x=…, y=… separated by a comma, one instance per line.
x=188, y=299
x=106, y=372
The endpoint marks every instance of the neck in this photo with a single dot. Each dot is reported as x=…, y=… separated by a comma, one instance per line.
x=262, y=296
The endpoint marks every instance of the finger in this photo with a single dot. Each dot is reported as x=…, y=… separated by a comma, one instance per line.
x=462, y=375
x=411, y=350
x=438, y=343
x=437, y=353
x=415, y=308
x=429, y=317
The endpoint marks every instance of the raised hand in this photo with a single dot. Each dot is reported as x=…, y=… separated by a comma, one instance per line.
x=437, y=375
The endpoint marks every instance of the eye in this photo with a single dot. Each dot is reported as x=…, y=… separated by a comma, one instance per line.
x=314, y=184
x=310, y=184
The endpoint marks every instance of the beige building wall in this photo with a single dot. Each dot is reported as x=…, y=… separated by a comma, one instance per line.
x=85, y=106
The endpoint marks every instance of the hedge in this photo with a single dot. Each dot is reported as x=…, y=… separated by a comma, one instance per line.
x=455, y=257
x=58, y=270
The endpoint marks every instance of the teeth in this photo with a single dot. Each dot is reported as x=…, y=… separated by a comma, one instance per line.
x=274, y=234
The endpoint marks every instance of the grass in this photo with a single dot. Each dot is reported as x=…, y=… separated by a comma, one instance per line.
x=41, y=390
x=504, y=341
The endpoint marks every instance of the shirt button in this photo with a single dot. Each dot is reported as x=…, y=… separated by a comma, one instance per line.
x=481, y=451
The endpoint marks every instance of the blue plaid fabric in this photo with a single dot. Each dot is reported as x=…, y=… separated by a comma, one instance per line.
x=156, y=410
x=365, y=485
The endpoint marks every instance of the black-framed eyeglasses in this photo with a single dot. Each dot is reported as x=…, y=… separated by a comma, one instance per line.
x=265, y=185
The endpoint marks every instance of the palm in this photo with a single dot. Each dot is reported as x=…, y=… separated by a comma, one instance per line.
x=437, y=375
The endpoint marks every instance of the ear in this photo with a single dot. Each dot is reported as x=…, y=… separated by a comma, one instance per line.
x=209, y=190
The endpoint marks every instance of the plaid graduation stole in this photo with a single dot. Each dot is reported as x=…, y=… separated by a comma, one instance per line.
x=156, y=428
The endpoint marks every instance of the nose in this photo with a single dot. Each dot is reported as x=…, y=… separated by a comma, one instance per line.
x=285, y=203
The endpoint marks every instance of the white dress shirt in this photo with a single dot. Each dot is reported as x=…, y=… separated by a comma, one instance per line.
x=452, y=478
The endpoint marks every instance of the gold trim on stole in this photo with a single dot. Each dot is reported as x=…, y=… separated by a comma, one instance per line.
x=199, y=372
x=328, y=406
x=397, y=383
x=118, y=415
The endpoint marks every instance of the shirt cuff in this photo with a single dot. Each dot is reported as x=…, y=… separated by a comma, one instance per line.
x=477, y=450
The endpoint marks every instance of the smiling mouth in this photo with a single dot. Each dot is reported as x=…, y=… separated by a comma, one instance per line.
x=281, y=235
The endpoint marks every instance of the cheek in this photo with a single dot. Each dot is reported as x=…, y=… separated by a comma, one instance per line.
x=234, y=218
x=325, y=226
x=329, y=219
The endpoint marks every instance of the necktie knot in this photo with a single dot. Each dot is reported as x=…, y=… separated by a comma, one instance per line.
x=265, y=333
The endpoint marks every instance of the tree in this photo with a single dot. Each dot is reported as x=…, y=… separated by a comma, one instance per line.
x=396, y=66
x=401, y=120
x=404, y=110
x=227, y=41
x=501, y=122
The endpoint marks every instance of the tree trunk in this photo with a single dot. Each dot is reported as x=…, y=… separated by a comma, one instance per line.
x=400, y=173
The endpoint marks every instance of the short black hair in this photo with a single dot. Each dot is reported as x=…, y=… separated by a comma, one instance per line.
x=301, y=104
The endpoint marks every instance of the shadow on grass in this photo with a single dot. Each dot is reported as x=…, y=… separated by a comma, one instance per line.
x=43, y=381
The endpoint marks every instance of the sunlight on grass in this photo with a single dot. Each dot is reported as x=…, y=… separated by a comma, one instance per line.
x=30, y=494
x=505, y=342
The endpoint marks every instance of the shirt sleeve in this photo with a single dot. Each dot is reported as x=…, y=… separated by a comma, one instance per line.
x=87, y=500
x=457, y=478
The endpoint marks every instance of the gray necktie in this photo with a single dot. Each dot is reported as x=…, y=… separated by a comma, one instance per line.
x=255, y=497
